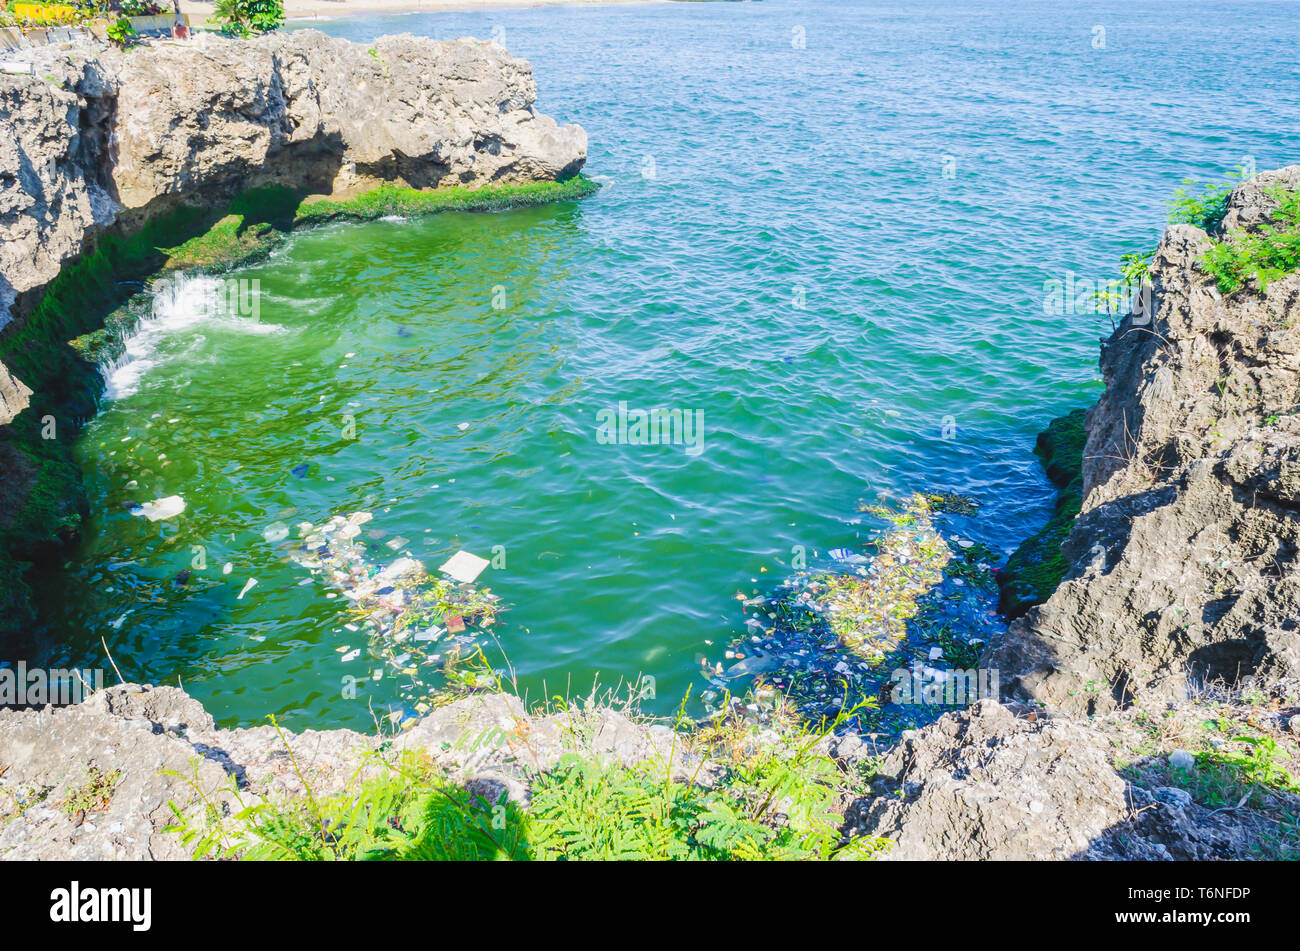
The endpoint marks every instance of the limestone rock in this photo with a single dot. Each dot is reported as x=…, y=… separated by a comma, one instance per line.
x=1186, y=554
x=165, y=748
x=983, y=784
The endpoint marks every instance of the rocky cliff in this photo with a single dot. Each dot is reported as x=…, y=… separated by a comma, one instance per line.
x=1184, y=562
x=100, y=138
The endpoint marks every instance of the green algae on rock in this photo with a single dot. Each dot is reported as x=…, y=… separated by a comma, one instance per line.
x=1035, y=568
x=397, y=200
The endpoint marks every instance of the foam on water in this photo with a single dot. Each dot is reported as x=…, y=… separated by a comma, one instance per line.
x=181, y=302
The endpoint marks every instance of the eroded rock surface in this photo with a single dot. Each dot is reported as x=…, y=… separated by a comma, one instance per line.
x=166, y=748
x=1004, y=782
x=1184, y=557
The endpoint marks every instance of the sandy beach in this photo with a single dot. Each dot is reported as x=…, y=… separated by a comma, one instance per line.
x=311, y=9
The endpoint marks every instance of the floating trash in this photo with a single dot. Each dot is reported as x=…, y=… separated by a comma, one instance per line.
x=464, y=566
x=403, y=610
x=827, y=640
x=160, y=509
x=276, y=531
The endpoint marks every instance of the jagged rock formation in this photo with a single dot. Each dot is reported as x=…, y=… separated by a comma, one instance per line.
x=1185, y=558
x=99, y=137
x=1002, y=782
x=985, y=785
x=166, y=748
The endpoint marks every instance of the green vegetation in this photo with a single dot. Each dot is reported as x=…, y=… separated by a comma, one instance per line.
x=228, y=243
x=396, y=200
x=93, y=794
x=1245, y=766
x=1265, y=254
x=1242, y=763
x=247, y=17
x=1035, y=569
x=1203, y=205
x=770, y=801
x=121, y=32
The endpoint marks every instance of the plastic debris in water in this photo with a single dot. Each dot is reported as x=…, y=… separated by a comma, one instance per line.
x=300, y=470
x=275, y=532
x=159, y=509
x=401, y=604
x=464, y=566
x=248, y=586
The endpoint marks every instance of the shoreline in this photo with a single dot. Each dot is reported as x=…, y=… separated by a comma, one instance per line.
x=297, y=10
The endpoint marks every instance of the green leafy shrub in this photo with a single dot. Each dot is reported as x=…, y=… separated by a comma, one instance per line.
x=1205, y=207
x=407, y=813
x=778, y=802
x=1265, y=254
x=121, y=32
x=247, y=17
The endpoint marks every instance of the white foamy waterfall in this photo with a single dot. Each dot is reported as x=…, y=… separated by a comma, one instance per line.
x=179, y=303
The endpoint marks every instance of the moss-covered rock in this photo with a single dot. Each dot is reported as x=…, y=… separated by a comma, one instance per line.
x=397, y=200
x=1034, y=570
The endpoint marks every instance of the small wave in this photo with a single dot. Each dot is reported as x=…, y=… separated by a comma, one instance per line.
x=180, y=302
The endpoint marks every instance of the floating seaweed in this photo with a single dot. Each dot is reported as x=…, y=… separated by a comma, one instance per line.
x=828, y=640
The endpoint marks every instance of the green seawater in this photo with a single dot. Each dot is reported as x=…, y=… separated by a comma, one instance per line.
x=835, y=252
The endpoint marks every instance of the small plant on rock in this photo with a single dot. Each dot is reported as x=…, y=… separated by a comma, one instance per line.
x=92, y=795
x=121, y=32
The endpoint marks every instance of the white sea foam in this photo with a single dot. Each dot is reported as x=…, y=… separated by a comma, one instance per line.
x=182, y=303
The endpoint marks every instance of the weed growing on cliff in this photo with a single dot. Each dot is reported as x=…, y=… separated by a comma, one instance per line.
x=93, y=794
x=408, y=811
x=776, y=800
x=1203, y=206
x=1265, y=254
x=1247, y=764
x=1194, y=204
